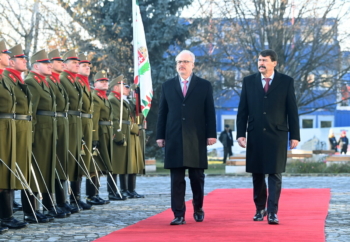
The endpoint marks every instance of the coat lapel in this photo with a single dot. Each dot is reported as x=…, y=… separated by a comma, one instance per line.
x=178, y=86
x=258, y=83
x=275, y=82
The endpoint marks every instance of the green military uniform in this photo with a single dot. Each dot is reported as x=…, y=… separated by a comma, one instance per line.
x=62, y=104
x=75, y=127
x=102, y=137
x=23, y=122
x=86, y=117
x=8, y=182
x=44, y=127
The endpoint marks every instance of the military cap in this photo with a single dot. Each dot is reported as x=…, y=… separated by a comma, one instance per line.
x=3, y=48
x=55, y=55
x=101, y=76
x=71, y=55
x=40, y=56
x=17, y=52
x=116, y=81
x=83, y=59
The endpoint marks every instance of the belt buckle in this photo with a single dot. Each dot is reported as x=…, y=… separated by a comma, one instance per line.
x=66, y=114
x=14, y=115
x=30, y=117
x=111, y=123
x=55, y=114
x=80, y=114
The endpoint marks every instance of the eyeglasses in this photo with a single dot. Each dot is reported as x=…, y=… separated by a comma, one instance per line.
x=184, y=61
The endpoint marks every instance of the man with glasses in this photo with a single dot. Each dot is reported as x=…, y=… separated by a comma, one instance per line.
x=186, y=125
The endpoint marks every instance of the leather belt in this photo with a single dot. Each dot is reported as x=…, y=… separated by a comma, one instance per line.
x=75, y=113
x=62, y=114
x=126, y=122
x=46, y=113
x=86, y=115
x=105, y=123
x=16, y=116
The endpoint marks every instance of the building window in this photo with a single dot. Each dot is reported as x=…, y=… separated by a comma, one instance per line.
x=325, y=121
x=308, y=123
x=230, y=120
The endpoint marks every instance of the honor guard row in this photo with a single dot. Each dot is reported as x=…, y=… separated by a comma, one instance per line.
x=55, y=129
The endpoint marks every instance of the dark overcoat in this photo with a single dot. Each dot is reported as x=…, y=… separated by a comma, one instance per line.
x=44, y=132
x=267, y=119
x=62, y=104
x=75, y=96
x=186, y=123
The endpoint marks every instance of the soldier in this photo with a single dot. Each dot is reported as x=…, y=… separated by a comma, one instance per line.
x=75, y=95
x=129, y=154
x=23, y=118
x=7, y=147
x=45, y=135
x=82, y=81
x=102, y=136
x=62, y=103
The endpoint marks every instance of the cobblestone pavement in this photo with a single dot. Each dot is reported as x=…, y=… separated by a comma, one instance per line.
x=102, y=220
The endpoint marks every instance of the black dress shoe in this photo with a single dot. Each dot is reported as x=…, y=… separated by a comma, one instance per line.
x=272, y=218
x=12, y=223
x=58, y=213
x=81, y=205
x=94, y=201
x=40, y=218
x=134, y=194
x=3, y=230
x=116, y=197
x=72, y=209
x=198, y=215
x=103, y=200
x=178, y=221
x=260, y=214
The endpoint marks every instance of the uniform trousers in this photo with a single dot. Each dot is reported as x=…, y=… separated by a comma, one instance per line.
x=178, y=189
x=260, y=191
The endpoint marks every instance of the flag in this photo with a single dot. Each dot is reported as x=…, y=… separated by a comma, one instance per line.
x=142, y=67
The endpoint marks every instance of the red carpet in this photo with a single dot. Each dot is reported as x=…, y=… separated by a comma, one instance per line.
x=228, y=217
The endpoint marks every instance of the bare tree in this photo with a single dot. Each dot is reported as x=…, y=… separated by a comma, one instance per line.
x=306, y=38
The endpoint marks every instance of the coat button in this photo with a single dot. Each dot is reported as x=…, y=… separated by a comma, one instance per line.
x=183, y=119
x=183, y=104
x=265, y=96
x=264, y=129
x=264, y=112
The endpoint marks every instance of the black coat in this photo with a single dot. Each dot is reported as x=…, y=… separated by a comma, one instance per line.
x=224, y=139
x=270, y=117
x=186, y=123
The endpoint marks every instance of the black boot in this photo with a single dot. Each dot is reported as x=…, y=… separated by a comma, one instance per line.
x=123, y=185
x=16, y=205
x=29, y=204
x=131, y=187
x=52, y=211
x=76, y=189
x=6, y=212
x=97, y=184
x=61, y=198
x=112, y=190
x=91, y=192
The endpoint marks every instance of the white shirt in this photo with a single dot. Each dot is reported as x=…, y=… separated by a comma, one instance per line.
x=263, y=82
x=188, y=83
x=125, y=98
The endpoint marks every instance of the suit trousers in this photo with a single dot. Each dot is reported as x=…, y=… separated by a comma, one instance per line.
x=227, y=151
x=260, y=191
x=178, y=189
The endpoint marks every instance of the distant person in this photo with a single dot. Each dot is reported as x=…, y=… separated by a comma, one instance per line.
x=227, y=141
x=343, y=143
x=332, y=141
x=186, y=125
x=267, y=113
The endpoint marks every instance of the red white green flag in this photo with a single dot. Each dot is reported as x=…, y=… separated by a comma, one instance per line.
x=142, y=67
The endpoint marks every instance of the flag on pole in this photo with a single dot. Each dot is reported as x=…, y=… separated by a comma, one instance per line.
x=142, y=67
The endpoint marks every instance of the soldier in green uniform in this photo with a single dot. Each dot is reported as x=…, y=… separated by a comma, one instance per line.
x=62, y=104
x=7, y=147
x=82, y=80
x=23, y=121
x=102, y=137
x=75, y=95
x=45, y=133
x=129, y=156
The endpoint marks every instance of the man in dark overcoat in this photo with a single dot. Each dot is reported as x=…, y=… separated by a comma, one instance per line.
x=226, y=140
x=186, y=125
x=268, y=113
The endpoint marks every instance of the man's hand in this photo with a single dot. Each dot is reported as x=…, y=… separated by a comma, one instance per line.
x=161, y=142
x=242, y=141
x=293, y=143
x=211, y=141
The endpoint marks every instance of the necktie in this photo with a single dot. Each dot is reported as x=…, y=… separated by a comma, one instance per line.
x=184, y=89
x=267, y=84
